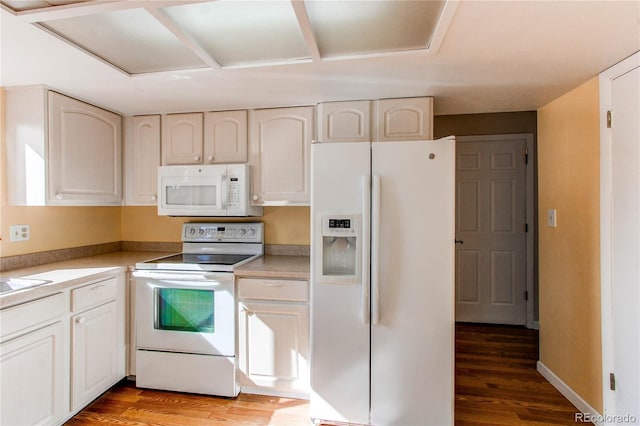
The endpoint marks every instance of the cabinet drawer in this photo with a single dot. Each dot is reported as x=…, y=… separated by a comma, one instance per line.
x=31, y=314
x=264, y=289
x=93, y=294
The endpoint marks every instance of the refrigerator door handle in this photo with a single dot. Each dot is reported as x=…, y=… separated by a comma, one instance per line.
x=375, y=251
x=365, y=247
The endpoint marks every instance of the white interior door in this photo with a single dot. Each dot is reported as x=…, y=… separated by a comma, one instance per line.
x=620, y=174
x=412, y=303
x=491, y=273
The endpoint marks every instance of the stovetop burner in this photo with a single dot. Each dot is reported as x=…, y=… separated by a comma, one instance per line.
x=212, y=247
x=204, y=259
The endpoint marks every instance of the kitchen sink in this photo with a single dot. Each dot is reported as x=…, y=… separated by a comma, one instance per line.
x=8, y=285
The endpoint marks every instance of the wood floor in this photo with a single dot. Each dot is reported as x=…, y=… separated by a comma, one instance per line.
x=496, y=384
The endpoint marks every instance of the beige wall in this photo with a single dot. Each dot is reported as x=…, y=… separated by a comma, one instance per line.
x=283, y=225
x=569, y=258
x=59, y=227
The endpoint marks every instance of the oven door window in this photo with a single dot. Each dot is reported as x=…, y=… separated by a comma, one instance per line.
x=185, y=310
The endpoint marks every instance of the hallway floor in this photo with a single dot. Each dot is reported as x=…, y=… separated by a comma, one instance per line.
x=497, y=382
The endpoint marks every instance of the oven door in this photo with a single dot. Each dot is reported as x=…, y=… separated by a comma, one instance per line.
x=190, y=312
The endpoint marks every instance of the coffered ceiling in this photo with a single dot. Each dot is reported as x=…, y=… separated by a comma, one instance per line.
x=182, y=55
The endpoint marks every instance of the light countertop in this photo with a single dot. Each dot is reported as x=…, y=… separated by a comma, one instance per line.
x=76, y=271
x=270, y=266
x=72, y=272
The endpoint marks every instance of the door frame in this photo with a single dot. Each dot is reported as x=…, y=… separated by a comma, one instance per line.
x=530, y=206
x=606, y=189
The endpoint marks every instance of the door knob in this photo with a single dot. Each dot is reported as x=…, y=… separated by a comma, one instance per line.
x=459, y=241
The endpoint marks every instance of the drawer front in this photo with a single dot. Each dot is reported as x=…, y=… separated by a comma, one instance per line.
x=32, y=314
x=266, y=289
x=93, y=294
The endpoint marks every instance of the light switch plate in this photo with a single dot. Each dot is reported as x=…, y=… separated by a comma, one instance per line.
x=20, y=232
x=552, y=218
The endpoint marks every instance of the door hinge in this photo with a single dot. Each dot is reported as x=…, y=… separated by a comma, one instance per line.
x=526, y=227
x=526, y=156
x=612, y=381
x=608, y=119
x=526, y=295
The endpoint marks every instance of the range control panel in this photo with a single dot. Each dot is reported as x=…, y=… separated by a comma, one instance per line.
x=249, y=232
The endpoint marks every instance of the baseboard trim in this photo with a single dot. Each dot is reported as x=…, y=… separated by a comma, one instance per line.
x=570, y=394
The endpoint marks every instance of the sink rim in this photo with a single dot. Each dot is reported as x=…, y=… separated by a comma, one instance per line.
x=12, y=284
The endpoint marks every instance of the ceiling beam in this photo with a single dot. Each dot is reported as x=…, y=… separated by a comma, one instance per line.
x=442, y=26
x=85, y=8
x=186, y=39
x=305, y=26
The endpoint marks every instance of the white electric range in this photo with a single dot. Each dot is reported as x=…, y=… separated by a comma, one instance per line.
x=185, y=310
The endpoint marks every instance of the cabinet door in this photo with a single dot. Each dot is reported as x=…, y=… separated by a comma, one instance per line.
x=280, y=152
x=94, y=353
x=32, y=383
x=344, y=121
x=274, y=346
x=142, y=156
x=85, y=153
x=406, y=119
x=182, y=139
x=225, y=137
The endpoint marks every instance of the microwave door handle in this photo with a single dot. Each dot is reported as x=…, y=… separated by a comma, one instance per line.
x=223, y=193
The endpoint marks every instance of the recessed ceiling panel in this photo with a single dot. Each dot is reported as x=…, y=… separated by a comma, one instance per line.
x=132, y=40
x=19, y=5
x=245, y=32
x=343, y=28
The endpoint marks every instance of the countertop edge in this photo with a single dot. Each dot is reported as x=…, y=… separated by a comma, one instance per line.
x=45, y=290
x=92, y=268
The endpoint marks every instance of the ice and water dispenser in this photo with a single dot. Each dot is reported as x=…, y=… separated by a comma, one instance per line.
x=340, y=248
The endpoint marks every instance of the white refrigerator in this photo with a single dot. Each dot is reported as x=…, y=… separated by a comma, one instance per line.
x=382, y=282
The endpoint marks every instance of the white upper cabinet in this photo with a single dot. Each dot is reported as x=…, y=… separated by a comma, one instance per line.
x=344, y=121
x=182, y=138
x=142, y=158
x=225, y=137
x=204, y=138
x=85, y=153
x=61, y=151
x=403, y=119
x=280, y=154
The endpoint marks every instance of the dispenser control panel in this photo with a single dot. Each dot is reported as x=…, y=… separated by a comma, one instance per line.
x=340, y=226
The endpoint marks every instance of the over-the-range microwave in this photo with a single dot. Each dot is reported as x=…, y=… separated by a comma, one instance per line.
x=206, y=190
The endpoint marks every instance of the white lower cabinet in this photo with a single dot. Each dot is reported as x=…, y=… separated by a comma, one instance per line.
x=33, y=388
x=273, y=335
x=94, y=353
x=59, y=352
x=98, y=341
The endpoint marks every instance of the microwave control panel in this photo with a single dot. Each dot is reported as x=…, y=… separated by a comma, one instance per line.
x=233, y=195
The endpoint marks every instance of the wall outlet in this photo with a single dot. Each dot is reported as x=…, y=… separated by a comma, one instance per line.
x=20, y=232
x=551, y=218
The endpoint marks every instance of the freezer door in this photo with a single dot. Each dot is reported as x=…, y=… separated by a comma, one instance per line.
x=412, y=346
x=340, y=309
